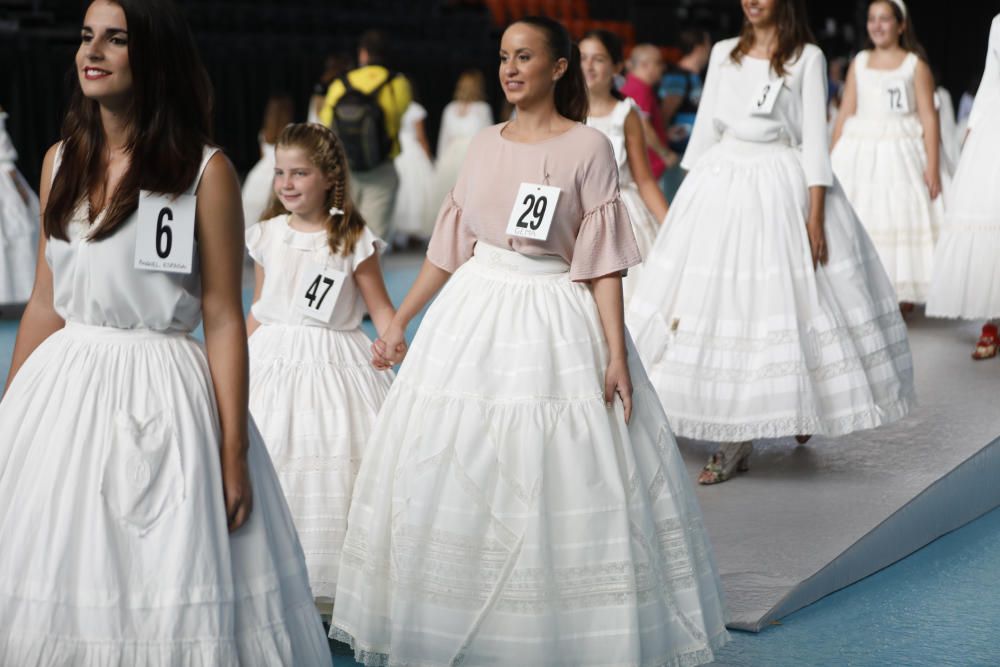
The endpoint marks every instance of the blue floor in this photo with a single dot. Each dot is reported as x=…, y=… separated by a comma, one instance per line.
x=939, y=607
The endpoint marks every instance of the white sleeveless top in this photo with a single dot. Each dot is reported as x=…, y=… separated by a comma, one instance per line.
x=872, y=83
x=94, y=282
x=613, y=126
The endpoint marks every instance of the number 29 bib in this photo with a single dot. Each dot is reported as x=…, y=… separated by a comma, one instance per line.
x=534, y=209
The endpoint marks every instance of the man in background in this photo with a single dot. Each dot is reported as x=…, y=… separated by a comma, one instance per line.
x=680, y=93
x=645, y=67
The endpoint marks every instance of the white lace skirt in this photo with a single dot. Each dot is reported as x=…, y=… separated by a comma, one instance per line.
x=966, y=280
x=314, y=396
x=19, y=224
x=112, y=519
x=504, y=514
x=741, y=337
x=645, y=227
x=880, y=164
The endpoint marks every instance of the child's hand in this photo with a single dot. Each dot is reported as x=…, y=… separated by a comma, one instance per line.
x=389, y=348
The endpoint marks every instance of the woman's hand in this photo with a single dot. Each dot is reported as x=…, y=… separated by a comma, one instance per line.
x=933, y=180
x=815, y=227
x=236, y=487
x=389, y=348
x=617, y=380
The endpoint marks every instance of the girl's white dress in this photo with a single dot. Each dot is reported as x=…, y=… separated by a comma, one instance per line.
x=880, y=161
x=460, y=121
x=115, y=548
x=416, y=178
x=644, y=225
x=742, y=338
x=504, y=514
x=313, y=391
x=966, y=280
x=19, y=223
x=258, y=185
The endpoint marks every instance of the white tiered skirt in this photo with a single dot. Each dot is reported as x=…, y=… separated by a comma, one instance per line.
x=741, y=337
x=314, y=396
x=115, y=548
x=966, y=280
x=504, y=514
x=880, y=163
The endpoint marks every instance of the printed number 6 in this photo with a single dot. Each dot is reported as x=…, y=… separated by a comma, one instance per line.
x=164, y=235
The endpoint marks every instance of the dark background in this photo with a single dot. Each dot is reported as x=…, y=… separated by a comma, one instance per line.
x=253, y=49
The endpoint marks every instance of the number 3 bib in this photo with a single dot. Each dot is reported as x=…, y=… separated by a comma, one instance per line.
x=164, y=240
x=534, y=209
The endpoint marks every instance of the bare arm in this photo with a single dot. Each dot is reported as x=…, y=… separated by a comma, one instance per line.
x=848, y=105
x=258, y=286
x=931, y=124
x=220, y=245
x=607, y=292
x=390, y=347
x=421, y=133
x=368, y=276
x=638, y=162
x=40, y=319
x=653, y=141
x=816, y=224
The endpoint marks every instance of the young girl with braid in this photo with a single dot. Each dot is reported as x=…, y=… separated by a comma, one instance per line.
x=313, y=391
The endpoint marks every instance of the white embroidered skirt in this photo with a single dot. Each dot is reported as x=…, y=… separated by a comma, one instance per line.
x=314, y=396
x=115, y=549
x=504, y=514
x=740, y=336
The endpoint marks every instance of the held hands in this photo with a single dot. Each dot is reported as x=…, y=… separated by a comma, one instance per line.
x=815, y=228
x=618, y=381
x=236, y=488
x=933, y=181
x=389, y=348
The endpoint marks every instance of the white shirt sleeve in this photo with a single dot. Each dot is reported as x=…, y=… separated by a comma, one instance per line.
x=988, y=95
x=8, y=154
x=815, y=142
x=704, y=135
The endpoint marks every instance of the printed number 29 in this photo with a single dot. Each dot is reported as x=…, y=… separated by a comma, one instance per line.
x=314, y=288
x=534, y=207
x=164, y=235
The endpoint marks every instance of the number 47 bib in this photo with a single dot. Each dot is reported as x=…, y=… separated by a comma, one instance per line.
x=318, y=291
x=533, y=211
x=164, y=240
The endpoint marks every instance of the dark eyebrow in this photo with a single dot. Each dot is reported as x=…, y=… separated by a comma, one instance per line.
x=517, y=51
x=109, y=31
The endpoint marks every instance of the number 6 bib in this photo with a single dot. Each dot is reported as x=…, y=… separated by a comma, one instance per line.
x=533, y=211
x=164, y=240
x=318, y=291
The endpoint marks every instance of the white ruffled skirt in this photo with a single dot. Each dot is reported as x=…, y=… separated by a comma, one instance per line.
x=966, y=280
x=19, y=223
x=741, y=337
x=504, y=514
x=880, y=163
x=314, y=395
x=113, y=524
x=645, y=227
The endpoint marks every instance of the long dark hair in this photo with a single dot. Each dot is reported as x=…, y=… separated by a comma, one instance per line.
x=571, y=89
x=613, y=45
x=793, y=35
x=169, y=122
x=908, y=40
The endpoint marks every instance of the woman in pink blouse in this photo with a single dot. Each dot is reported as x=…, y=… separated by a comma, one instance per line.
x=522, y=500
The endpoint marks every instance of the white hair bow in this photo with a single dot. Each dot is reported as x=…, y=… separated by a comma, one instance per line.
x=336, y=211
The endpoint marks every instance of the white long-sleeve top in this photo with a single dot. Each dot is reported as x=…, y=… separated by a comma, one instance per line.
x=798, y=117
x=987, y=104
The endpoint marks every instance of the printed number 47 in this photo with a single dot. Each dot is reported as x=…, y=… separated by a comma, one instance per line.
x=314, y=289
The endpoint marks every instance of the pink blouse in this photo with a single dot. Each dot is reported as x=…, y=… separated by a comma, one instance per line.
x=591, y=228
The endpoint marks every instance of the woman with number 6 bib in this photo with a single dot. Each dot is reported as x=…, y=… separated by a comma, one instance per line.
x=128, y=465
x=763, y=310
x=886, y=150
x=522, y=500
x=313, y=392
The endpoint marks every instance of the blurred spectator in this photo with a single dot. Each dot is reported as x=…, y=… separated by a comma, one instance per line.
x=335, y=65
x=680, y=92
x=257, y=187
x=645, y=68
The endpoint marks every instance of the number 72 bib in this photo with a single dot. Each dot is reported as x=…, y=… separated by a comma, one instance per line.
x=533, y=211
x=164, y=239
x=318, y=290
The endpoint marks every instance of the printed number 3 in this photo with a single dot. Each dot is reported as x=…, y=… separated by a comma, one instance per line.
x=763, y=96
x=536, y=208
x=164, y=235
x=314, y=288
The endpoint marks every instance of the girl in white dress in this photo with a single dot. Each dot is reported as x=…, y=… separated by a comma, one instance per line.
x=141, y=520
x=18, y=225
x=313, y=392
x=887, y=150
x=416, y=177
x=462, y=119
x=763, y=310
x=615, y=115
x=522, y=500
x=966, y=281
x=257, y=185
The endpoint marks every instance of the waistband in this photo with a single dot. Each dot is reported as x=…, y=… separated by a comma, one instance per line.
x=783, y=142
x=504, y=259
x=95, y=332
